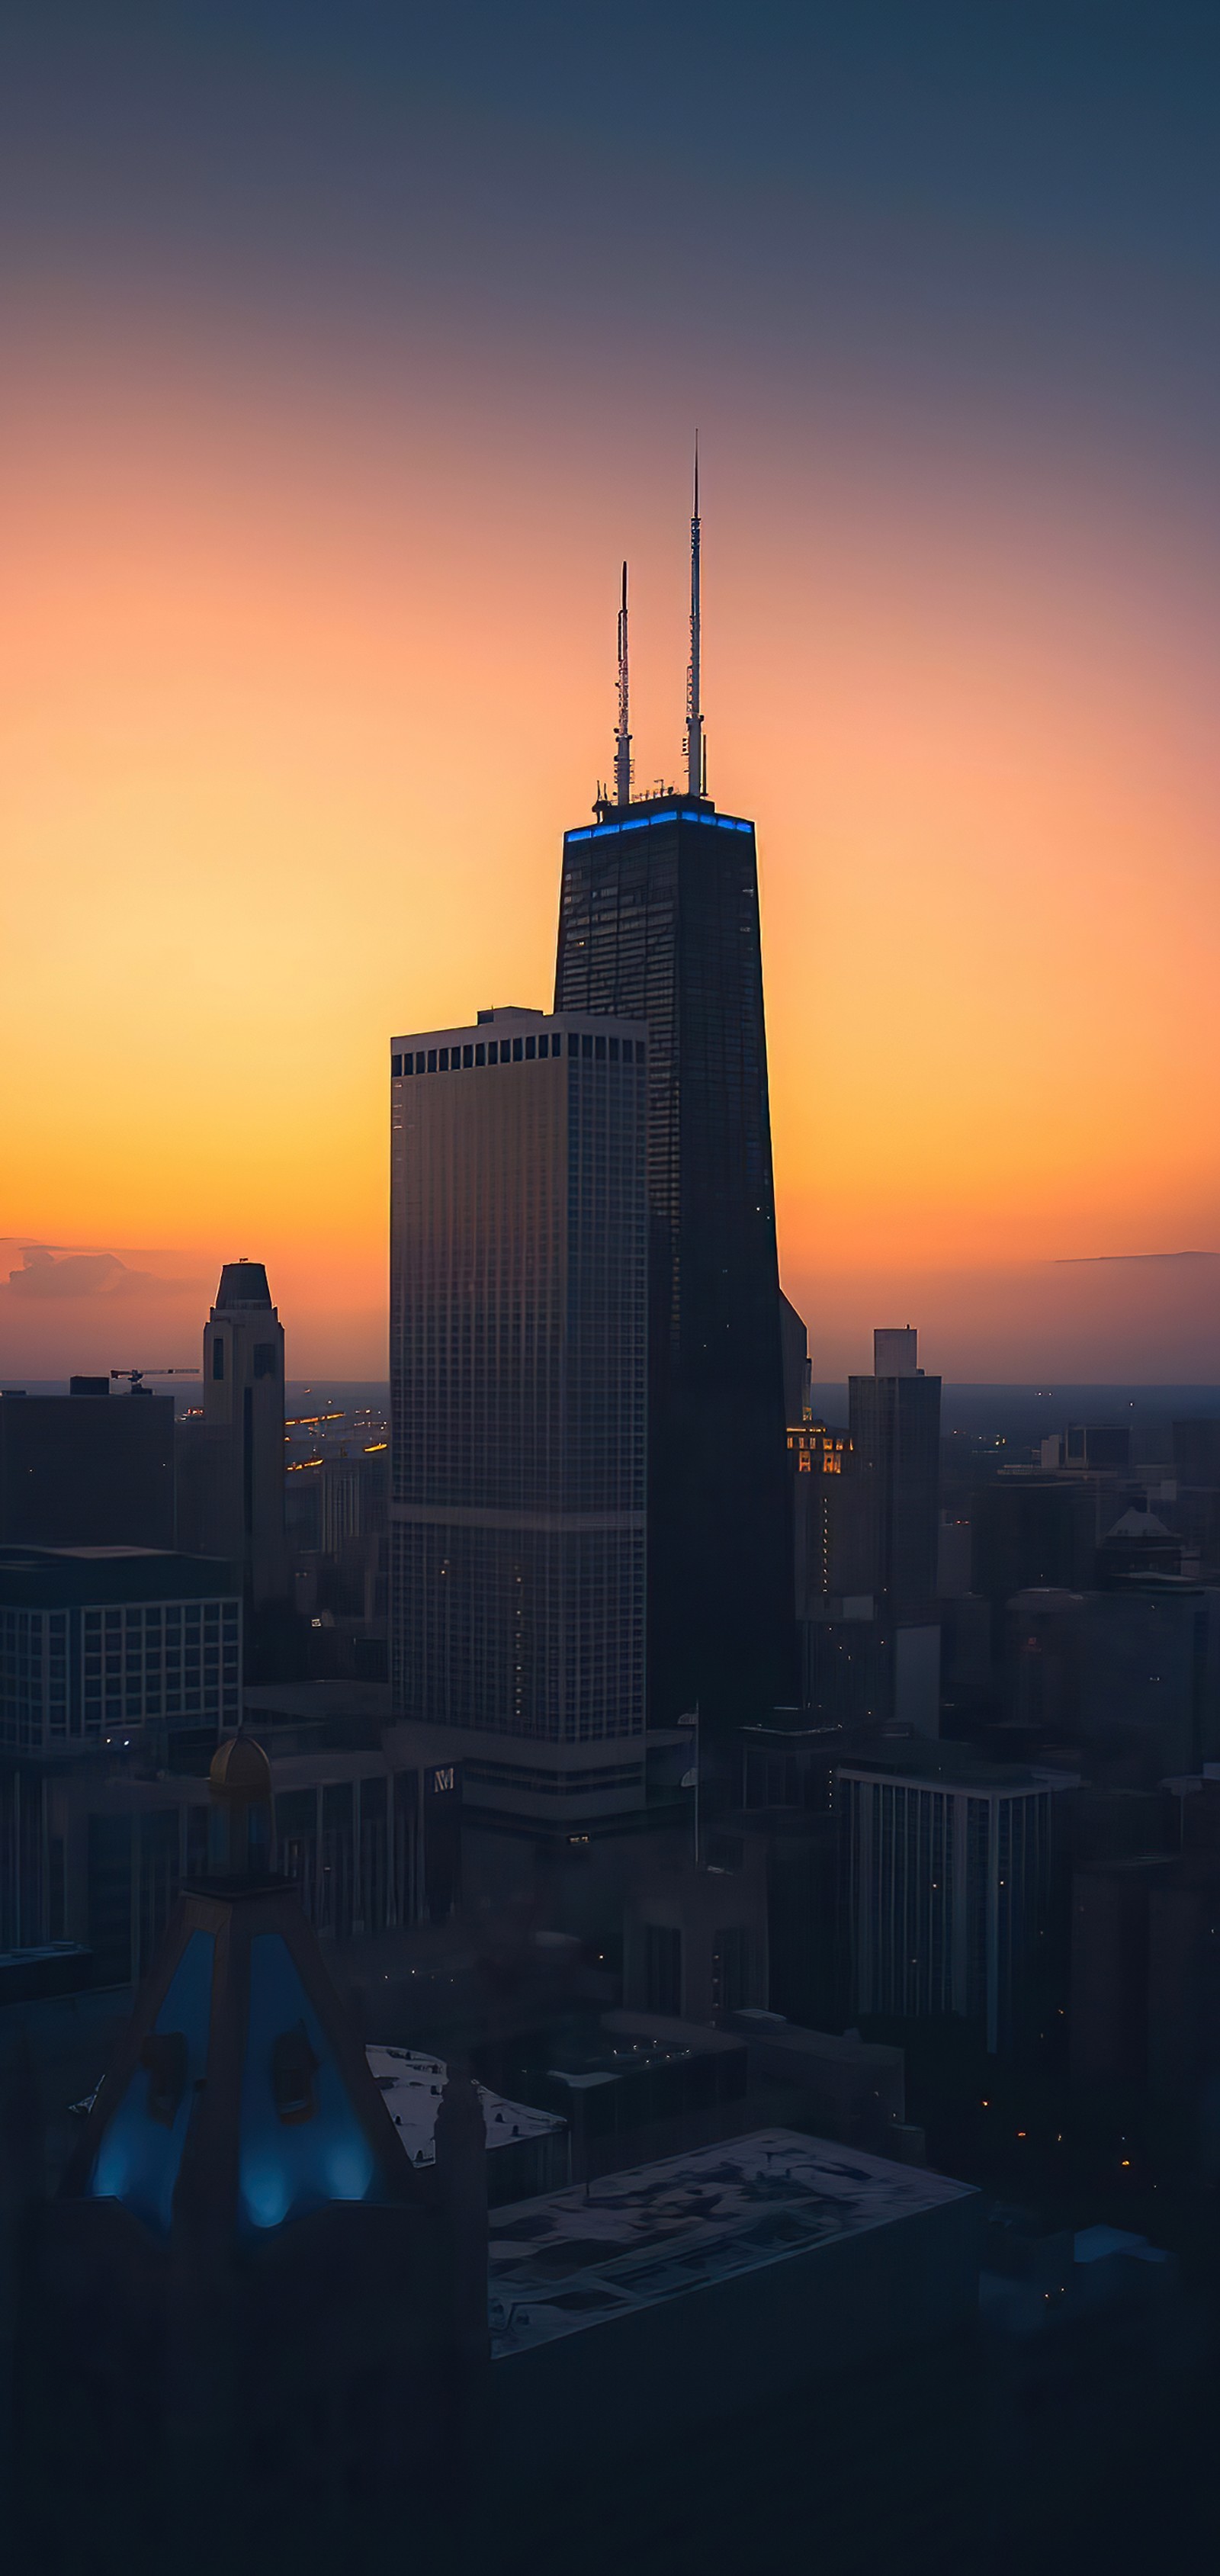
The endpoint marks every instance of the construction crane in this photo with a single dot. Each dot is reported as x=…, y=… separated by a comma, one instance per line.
x=135, y=1377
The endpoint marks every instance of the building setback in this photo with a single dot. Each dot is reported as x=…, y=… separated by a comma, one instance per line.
x=518, y=1326
x=659, y=920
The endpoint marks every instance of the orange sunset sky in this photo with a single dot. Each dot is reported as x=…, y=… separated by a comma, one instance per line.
x=306, y=661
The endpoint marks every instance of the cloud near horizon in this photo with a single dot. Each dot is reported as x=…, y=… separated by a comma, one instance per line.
x=48, y=1272
x=1134, y=1318
x=65, y=1307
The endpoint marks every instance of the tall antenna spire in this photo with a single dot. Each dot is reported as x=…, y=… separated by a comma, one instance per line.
x=696, y=754
x=622, y=738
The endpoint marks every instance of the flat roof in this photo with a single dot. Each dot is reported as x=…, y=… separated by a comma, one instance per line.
x=517, y=1022
x=576, y=2258
x=933, y=1763
x=80, y=1577
x=412, y=2083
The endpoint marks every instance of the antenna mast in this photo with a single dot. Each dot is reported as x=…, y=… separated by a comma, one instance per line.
x=622, y=738
x=696, y=754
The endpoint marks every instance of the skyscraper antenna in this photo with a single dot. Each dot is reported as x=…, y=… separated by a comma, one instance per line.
x=696, y=757
x=622, y=738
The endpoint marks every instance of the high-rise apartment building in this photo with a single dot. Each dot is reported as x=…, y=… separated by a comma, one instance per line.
x=518, y=1333
x=231, y=1463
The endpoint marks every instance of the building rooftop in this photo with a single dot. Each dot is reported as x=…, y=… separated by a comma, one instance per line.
x=243, y=1283
x=413, y=2082
x=68, y=1577
x=577, y=2258
x=955, y=1766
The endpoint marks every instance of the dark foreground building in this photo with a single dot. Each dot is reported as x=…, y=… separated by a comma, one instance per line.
x=252, y=2332
x=659, y=922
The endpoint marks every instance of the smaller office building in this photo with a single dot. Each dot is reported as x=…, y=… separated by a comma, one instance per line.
x=947, y=1871
x=97, y=1642
x=646, y=2301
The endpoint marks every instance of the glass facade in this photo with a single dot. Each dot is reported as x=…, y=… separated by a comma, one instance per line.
x=659, y=921
x=518, y=1324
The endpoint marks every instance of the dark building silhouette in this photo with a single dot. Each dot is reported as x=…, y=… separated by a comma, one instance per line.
x=231, y=1462
x=894, y=1425
x=107, y=1654
x=659, y=922
x=1145, y=1971
x=1138, y=1543
x=253, y=2330
x=948, y=1885
x=1031, y=1532
x=87, y=1469
x=1196, y=1509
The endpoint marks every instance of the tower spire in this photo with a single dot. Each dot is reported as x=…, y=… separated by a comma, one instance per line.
x=622, y=737
x=696, y=754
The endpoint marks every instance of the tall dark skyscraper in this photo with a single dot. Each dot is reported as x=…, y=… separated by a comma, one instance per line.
x=894, y=1421
x=659, y=922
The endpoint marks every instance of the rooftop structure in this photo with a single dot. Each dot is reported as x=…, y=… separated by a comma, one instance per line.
x=529, y=2146
x=572, y=2260
x=679, y=2293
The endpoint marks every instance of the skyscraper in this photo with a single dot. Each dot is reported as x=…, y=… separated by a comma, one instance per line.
x=894, y=1421
x=231, y=1464
x=659, y=922
x=517, y=1377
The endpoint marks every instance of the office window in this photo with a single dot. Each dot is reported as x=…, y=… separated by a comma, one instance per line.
x=264, y=1359
x=218, y=1358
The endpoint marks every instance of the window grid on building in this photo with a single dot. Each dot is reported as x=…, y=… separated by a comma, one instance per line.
x=517, y=1361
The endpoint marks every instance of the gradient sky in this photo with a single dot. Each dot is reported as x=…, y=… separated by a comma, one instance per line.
x=346, y=350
